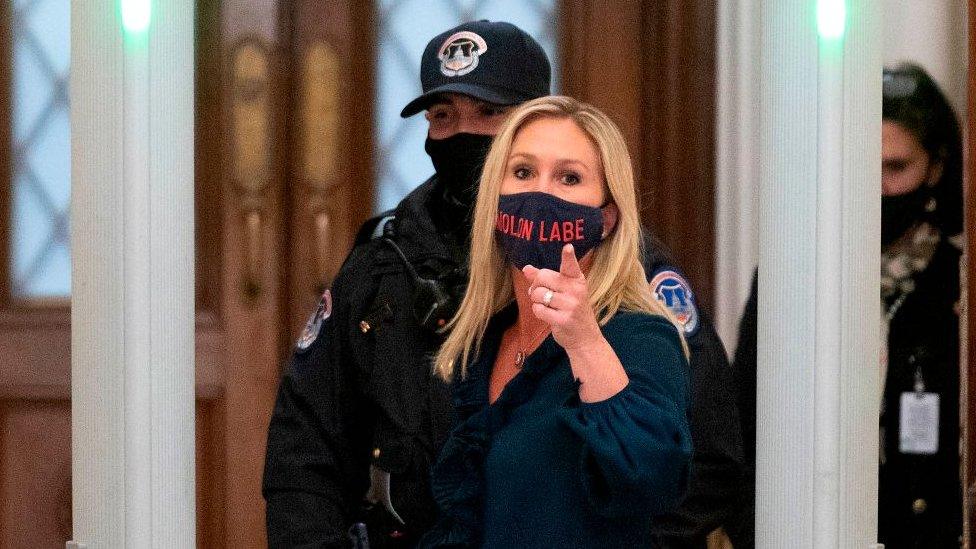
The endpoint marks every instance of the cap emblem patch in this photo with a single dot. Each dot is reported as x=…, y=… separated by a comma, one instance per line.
x=460, y=52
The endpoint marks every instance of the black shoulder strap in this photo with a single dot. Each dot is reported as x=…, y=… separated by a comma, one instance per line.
x=374, y=227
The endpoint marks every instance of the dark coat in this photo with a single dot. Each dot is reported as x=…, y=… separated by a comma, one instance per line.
x=743, y=531
x=362, y=393
x=920, y=496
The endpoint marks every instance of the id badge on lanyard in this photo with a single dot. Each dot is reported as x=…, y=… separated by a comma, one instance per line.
x=919, y=420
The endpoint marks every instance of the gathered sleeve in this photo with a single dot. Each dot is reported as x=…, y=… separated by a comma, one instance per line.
x=637, y=446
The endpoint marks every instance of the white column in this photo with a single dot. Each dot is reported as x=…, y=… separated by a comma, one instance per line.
x=818, y=392
x=736, y=162
x=132, y=276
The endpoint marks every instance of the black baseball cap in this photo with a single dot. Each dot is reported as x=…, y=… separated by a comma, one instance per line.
x=492, y=61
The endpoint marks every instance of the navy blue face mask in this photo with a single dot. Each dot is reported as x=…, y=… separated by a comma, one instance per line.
x=533, y=227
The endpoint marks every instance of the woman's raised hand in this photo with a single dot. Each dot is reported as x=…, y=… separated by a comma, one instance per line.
x=561, y=300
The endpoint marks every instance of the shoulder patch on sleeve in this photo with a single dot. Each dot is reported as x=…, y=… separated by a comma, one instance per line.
x=314, y=325
x=675, y=293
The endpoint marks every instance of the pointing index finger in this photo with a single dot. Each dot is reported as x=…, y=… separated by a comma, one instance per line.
x=570, y=266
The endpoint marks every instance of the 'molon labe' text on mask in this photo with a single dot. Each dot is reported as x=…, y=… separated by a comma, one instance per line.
x=533, y=227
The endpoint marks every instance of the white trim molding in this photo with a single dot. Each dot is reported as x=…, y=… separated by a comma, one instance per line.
x=737, y=162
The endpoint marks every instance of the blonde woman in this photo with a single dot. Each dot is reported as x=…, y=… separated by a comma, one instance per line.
x=570, y=379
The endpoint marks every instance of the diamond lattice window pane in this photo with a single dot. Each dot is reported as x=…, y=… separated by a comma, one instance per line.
x=32, y=91
x=41, y=254
x=405, y=26
x=49, y=24
x=52, y=142
x=34, y=229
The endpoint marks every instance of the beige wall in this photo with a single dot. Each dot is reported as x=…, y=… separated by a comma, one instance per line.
x=932, y=33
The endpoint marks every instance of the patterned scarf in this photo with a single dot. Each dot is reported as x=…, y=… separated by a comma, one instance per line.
x=900, y=262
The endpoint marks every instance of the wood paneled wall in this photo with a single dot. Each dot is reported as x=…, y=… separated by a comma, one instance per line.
x=208, y=163
x=968, y=339
x=6, y=145
x=330, y=159
x=651, y=66
x=679, y=122
x=35, y=495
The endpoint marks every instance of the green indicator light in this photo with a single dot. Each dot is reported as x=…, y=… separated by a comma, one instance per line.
x=136, y=15
x=831, y=18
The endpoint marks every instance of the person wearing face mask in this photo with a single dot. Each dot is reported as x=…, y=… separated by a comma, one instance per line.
x=920, y=494
x=359, y=416
x=571, y=379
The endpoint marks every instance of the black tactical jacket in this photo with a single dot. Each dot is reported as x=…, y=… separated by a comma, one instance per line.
x=361, y=393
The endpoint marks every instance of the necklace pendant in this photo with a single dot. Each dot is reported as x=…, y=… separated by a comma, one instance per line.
x=519, y=359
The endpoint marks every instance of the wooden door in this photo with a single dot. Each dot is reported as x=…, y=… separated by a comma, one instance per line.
x=283, y=181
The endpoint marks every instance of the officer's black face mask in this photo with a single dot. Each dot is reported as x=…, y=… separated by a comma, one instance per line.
x=458, y=161
x=900, y=212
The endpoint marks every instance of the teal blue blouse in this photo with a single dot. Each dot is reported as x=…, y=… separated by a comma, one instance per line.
x=540, y=468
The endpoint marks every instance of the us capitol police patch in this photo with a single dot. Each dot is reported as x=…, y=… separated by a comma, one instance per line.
x=314, y=324
x=674, y=291
x=460, y=52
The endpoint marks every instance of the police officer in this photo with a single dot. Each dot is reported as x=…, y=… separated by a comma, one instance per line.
x=919, y=491
x=359, y=417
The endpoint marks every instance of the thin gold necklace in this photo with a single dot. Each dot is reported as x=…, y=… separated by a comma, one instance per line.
x=522, y=353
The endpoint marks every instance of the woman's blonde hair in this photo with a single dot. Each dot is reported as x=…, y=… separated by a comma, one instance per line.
x=616, y=277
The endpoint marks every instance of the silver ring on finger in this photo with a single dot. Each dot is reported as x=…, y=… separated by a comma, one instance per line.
x=547, y=298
